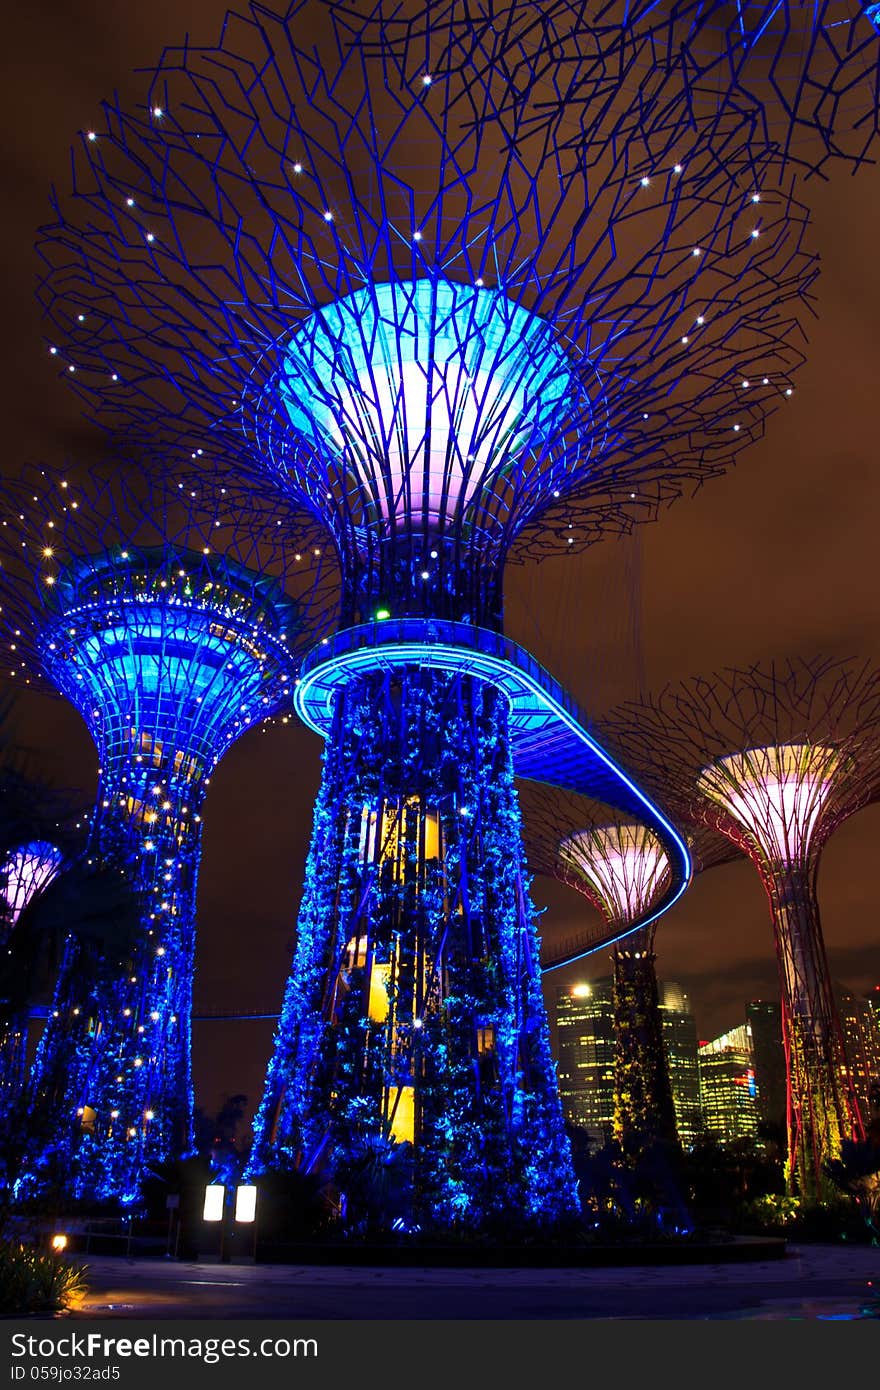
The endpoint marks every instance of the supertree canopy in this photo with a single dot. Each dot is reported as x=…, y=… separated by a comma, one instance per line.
x=802, y=75
x=370, y=286
x=810, y=69
x=142, y=612
x=24, y=873
x=774, y=758
x=621, y=868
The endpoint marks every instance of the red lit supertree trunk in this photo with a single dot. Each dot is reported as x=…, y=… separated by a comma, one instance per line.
x=775, y=759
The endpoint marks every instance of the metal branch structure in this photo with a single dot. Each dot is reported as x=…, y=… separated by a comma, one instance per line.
x=308, y=264
x=803, y=78
x=141, y=610
x=808, y=69
x=621, y=869
x=775, y=758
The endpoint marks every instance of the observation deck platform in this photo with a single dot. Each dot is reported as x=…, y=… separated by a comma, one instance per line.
x=550, y=739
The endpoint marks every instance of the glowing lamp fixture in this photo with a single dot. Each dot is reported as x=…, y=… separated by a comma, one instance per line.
x=245, y=1203
x=425, y=390
x=215, y=1197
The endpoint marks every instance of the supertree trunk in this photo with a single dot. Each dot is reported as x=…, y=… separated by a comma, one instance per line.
x=644, y=1113
x=413, y=1014
x=822, y=1106
x=113, y=1076
x=13, y=1040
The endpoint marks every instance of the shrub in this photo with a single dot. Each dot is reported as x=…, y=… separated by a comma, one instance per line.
x=33, y=1281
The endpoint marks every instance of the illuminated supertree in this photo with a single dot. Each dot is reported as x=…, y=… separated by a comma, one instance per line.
x=25, y=872
x=143, y=612
x=370, y=286
x=622, y=869
x=625, y=868
x=775, y=758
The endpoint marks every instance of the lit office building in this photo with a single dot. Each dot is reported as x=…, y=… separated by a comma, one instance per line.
x=860, y=1021
x=680, y=1041
x=585, y=1020
x=727, y=1086
x=764, y=1018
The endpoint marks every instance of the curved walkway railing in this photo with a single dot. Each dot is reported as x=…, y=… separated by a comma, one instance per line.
x=549, y=736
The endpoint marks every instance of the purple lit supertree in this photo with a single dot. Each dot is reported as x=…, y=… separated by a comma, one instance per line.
x=368, y=285
x=621, y=869
x=25, y=873
x=775, y=758
x=154, y=615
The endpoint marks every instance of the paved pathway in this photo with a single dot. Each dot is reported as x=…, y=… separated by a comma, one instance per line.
x=813, y=1281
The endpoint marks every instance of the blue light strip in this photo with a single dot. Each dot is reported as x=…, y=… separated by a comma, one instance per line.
x=570, y=757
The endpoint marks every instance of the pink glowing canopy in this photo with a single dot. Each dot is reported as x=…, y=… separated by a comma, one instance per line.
x=776, y=794
x=25, y=873
x=625, y=865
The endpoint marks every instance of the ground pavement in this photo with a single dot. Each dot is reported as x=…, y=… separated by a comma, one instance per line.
x=812, y=1281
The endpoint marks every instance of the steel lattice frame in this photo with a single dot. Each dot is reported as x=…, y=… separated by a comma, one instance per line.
x=146, y=612
x=803, y=78
x=446, y=338
x=775, y=758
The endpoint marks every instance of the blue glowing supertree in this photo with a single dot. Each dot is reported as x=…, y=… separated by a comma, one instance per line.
x=447, y=340
x=142, y=611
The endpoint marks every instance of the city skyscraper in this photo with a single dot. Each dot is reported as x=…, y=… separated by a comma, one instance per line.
x=764, y=1017
x=681, y=1044
x=861, y=1037
x=587, y=1046
x=586, y=1042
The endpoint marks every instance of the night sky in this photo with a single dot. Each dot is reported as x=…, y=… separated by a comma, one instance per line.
x=778, y=558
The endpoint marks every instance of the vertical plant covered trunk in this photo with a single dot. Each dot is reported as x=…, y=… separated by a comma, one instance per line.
x=112, y=1086
x=644, y=1113
x=414, y=1015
